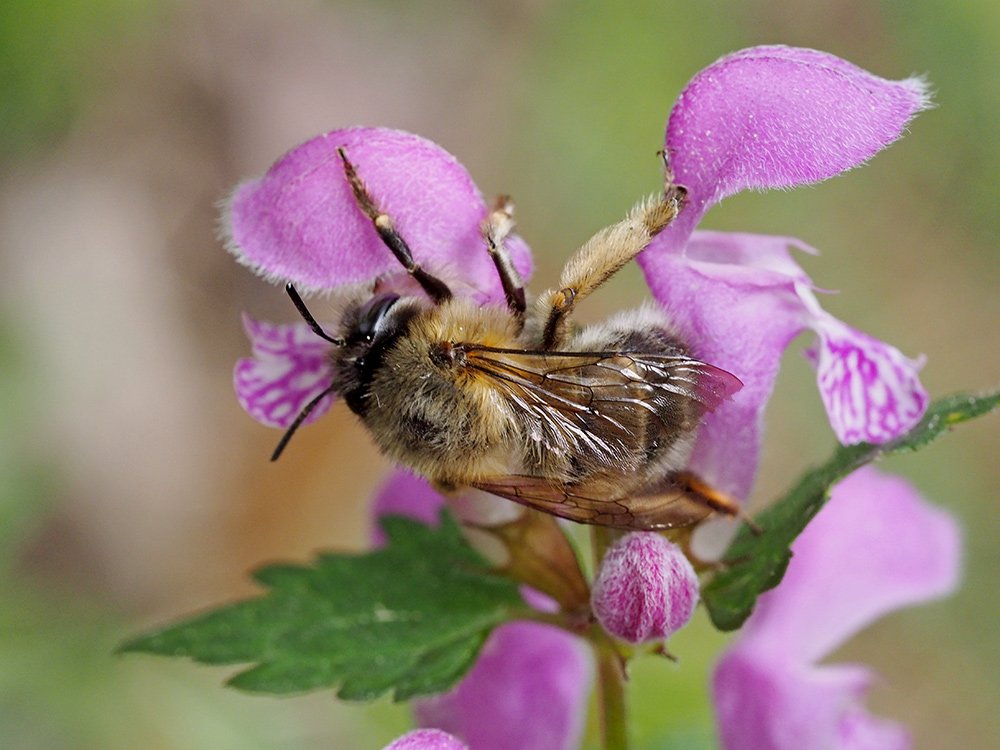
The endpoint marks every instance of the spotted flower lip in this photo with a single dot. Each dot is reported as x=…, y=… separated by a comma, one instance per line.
x=875, y=547
x=743, y=299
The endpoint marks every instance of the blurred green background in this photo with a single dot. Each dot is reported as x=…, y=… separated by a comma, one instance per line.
x=133, y=489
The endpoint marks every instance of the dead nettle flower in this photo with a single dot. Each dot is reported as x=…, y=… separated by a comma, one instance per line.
x=764, y=117
x=875, y=547
x=426, y=739
x=775, y=117
x=645, y=590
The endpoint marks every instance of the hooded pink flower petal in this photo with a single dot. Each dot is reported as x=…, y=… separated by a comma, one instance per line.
x=775, y=116
x=300, y=222
x=874, y=548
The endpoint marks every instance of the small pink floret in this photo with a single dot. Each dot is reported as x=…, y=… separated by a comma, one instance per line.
x=427, y=739
x=646, y=589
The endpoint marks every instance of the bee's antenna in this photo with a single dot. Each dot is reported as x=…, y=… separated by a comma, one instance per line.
x=308, y=318
x=306, y=411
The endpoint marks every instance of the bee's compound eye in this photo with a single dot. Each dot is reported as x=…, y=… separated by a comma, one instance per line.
x=372, y=314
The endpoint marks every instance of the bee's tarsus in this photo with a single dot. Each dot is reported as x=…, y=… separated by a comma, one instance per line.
x=436, y=289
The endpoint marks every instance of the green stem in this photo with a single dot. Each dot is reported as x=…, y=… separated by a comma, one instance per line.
x=610, y=666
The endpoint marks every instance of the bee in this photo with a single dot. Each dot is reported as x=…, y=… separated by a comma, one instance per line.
x=594, y=425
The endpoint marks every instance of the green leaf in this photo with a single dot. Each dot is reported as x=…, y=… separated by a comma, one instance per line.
x=756, y=563
x=408, y=619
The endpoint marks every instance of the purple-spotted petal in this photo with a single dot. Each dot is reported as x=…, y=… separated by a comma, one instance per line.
x=300, y=221
x=733, y=298
x=870, y=390
x=875, y=547
x=527, y=690
x=739, y=300
x=778, y=116
x=427, y=739
x=289, y=368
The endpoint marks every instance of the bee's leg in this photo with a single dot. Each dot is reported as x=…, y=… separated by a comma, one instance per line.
x=696, y=488
x=604, y=254
x=496, y=228
x=436, y=289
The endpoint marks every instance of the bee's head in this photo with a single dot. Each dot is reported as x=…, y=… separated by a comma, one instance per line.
x=369, y=330
x=369, y=326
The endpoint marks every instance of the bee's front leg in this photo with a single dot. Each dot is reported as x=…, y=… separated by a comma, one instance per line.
x=496, y=228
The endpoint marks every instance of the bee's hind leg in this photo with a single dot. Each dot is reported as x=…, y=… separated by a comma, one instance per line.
x=605, y=254
x=496, y=228
x=436, y=289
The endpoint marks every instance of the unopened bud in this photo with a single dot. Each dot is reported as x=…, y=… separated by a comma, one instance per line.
x=646, y=589
x=427, y=739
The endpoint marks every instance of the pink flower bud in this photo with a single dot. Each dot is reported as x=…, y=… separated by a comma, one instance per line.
x=646, y=589
x=426, y=739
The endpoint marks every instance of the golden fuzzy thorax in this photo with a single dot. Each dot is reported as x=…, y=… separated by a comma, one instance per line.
x=441, y=419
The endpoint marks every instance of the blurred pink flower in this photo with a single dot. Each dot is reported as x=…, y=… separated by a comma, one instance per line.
x=875, y=547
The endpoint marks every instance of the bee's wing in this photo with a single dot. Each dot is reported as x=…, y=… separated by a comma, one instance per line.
x=673, y=507
x=597, y=402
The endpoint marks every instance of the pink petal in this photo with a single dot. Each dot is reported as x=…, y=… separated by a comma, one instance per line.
x=777, y=116
x=645, y=590
x=733, y=298
x=875, y=547
x=289, y=368
x=426, y=739
x=405, y=494
x=870, y=390
x=528, y=690
x=764, y=705
x=300, y=222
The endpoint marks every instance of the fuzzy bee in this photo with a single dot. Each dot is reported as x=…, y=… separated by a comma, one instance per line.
x=595, y=425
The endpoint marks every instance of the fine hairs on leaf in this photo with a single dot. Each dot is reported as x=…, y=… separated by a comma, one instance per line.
x=756, y=563
x=408, y=619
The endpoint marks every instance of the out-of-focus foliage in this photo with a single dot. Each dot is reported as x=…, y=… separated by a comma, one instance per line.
x=52, y=53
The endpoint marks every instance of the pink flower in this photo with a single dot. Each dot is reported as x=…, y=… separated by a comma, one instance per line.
x=646, y=589
x=762, y=117
x=770, y=117
x=875, y=547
